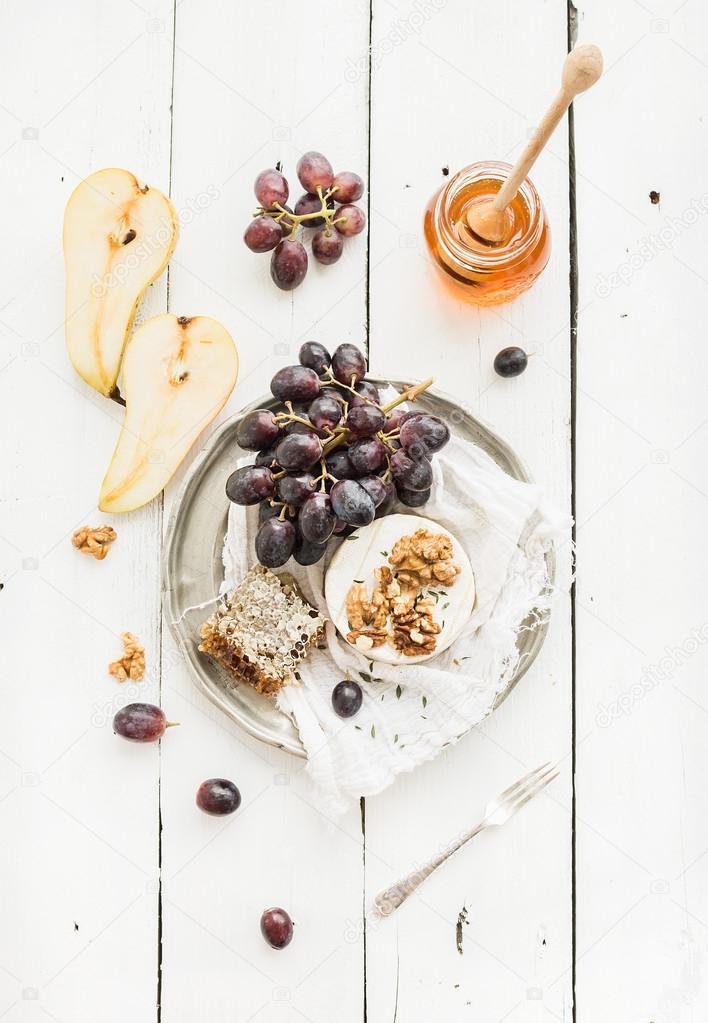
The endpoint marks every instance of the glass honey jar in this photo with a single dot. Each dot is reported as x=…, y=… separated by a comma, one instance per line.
x=480, y=272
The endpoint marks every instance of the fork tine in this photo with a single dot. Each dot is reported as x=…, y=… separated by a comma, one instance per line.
x=521, y=799
x=522, y=781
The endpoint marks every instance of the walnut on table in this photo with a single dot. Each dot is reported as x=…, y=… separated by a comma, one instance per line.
x=94, y=540
x=132, y=664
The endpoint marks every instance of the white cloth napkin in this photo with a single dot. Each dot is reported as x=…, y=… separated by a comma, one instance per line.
x=410, y=712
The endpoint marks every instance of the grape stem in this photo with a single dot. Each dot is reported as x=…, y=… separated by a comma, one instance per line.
x=330, y=380
x=410, y=394
x=282, y=216
x=291, y=416
x=322, y=479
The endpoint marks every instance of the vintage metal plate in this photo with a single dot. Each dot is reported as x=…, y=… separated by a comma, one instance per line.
x=193, y=570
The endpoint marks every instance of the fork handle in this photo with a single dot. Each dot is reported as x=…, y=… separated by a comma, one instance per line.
x=390, y=899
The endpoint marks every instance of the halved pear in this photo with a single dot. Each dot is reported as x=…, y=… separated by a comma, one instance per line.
x=177, y=375
x=118, y=237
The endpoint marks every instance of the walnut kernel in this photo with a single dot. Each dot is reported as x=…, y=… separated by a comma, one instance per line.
x=132, y=664
x=94, y=540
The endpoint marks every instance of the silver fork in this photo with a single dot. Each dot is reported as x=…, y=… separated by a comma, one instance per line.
x=496, y=813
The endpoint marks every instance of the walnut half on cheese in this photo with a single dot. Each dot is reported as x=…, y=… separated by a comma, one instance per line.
x=261, y=631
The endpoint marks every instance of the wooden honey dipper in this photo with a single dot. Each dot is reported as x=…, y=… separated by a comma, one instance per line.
x=490, y=220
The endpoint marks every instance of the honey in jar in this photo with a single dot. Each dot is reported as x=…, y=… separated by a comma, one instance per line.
x=480, y=272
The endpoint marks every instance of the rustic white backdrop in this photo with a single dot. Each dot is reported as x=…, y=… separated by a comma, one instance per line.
x=120, y=900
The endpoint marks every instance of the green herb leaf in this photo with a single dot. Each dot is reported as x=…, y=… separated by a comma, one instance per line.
x=373, y=732
x=395, y=738
x=366, y=676
x=425, y=701
x=398, y=692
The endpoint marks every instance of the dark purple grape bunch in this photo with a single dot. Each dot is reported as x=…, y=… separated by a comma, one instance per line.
x=333, y=457
x=328, y=208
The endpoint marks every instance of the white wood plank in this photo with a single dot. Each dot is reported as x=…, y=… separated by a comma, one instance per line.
x=256, y=84
x=642, y=915
x=461, y=86
x=83, y=88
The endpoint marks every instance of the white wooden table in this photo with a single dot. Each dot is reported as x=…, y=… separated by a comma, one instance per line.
x=120, y=900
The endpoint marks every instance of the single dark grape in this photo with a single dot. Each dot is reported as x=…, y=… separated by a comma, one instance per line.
x=314, y=170
x=511, y=361
x=271, y=187
x=395, y=420
x=317, y=519
x=262, y=234
x=365, y=420
x=325, y=412
x=327, y=246
x=346, y=698
x=348, y=364
x=315, y=356
x=333, y=392
x=288, y=264
x=275, y=541
x=140, y=722
x=339, y=465
x=424, y=434
x=367, y=455
x=298, y=451
x=295, y=490
x=276, y=927
x=297, y=427
x=307, y=204
x=412, y=498
x=307, y=553
x=250, y=484
x=257, y=430
x=411, y=473
x=295, y=383
x=389, y=500
x=350, y=220
x=218, y=796
x=365, y=392
x=348, y=187
x=375, y=488
x=266, y=511
x=352, y=504
x=265, y=457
